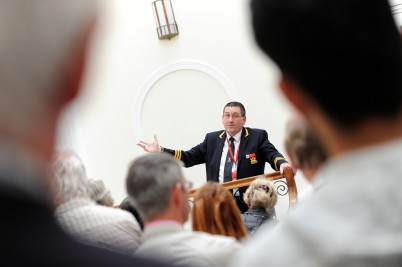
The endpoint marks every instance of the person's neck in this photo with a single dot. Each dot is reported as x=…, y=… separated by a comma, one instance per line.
x=338, y=140
x=234, y=135
x=152, y=223
x=365, y=135
x=309, y=173
x=169, y=215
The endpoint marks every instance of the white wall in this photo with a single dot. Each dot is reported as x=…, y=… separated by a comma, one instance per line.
x=126, y=98
x=397, y=11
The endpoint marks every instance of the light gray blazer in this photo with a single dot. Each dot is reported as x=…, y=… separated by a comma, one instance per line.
x=171, y=243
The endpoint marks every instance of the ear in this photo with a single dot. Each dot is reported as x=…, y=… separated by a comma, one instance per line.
x=176, y=194
x=294, y=95
x=75, y=66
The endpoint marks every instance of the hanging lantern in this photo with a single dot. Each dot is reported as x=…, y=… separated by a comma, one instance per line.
x=166, y=25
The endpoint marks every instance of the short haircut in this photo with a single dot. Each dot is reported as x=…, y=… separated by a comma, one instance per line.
x=236, y=104
x=127, y=205
x=261, y=193
x=149, y=180
x=70, y=178
x=346, y=55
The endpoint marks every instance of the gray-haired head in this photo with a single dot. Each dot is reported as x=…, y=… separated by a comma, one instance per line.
x=149, y=182
x=37, y=41
x=99, y=193
x=261, y=193
x=70, y=178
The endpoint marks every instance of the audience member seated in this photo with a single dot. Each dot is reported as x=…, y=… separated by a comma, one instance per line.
x=159, y=191
x=304, y=149
x=99, y=193
x=215, y=211
x=261, y=197
x=340, y=65
x=81, y=217
x=128, y=206
x=44, y=46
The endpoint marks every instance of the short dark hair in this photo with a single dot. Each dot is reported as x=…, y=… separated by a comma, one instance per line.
x=236, y=104
x=346, y=55
x=128, y=206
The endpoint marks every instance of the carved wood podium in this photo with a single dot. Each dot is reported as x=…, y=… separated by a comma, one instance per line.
x=288, y=186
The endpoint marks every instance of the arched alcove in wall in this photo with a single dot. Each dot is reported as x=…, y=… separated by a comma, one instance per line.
x=181, y=102
x=209, y=86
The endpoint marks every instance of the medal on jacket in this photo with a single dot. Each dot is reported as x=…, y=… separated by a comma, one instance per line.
x=234, y=159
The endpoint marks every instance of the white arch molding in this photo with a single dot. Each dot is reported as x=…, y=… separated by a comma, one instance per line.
x=177, y=66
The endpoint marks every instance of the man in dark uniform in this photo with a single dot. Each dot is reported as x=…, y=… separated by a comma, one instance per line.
x=225, y=161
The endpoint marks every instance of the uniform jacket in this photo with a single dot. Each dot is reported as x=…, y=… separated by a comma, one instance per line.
x=254, y=151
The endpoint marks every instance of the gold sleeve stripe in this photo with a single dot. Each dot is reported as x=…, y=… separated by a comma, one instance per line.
x=220, y=136
x=177, y=154
x=276, y=160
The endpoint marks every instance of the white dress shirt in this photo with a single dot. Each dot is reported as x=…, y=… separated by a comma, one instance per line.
x=236, y=143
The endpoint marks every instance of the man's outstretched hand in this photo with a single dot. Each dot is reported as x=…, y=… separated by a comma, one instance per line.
x=150, y=147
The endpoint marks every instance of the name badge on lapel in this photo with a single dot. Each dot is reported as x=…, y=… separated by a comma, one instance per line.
x=252, y=157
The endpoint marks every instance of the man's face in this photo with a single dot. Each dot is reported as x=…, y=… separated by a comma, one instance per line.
x=232, y=120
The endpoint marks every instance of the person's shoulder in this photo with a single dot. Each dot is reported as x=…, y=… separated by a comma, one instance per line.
x=254, y=131
x=216, y=240
x=112, y=214
x=105, y=257
x=216, y=134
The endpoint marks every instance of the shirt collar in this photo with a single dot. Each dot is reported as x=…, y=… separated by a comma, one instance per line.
x=237, y=136
x=162, y=222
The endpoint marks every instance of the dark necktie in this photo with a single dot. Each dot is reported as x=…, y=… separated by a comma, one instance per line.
x=227, y=173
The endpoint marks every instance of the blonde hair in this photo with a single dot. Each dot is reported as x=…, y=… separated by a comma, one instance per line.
x=215, y=212
x=261, y=193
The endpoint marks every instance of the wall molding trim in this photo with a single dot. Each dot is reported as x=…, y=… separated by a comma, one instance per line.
x=170, y=68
